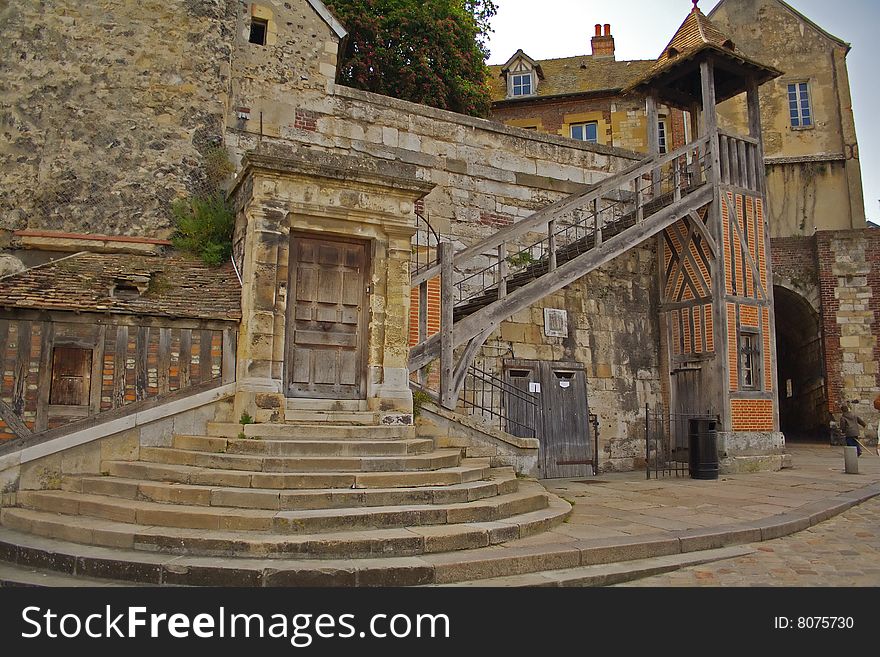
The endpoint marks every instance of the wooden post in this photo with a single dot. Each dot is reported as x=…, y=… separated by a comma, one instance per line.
x=719, y=308
x=47, y=329
x=551, y=242
x=423, y=324
x=502, y=271
x=227, y=369
x=447, y=304
x=597, y=223
x=754, y=111
x=653, y=139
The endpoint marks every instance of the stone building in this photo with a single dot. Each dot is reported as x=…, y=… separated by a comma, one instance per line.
x=579, y=97
x=576, y=279
x=824, y=257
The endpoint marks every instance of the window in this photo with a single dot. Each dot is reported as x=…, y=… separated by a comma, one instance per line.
x=799, y=105
x=521, y=84
x=585, y=132
x=749, y=359
x=661, y=134
x=259, y=29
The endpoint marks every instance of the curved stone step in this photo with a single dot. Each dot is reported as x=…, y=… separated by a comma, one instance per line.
x=303, y=447
x=306, y=431
x=274, y=499
x=435, y=565
x=468, y=470
x=398, y=542
x=441, y=458
x=298, y=521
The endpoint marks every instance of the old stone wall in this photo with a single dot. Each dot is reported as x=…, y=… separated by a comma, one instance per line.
x=814, y=182
x=849, y=278
x=108, y=109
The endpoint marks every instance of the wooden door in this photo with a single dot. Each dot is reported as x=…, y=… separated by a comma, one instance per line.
x=71, y=376
x=566, y=440
x=522, y=416
x=326, y=319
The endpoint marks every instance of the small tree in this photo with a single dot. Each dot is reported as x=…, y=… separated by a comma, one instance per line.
x=204, y=227
x=431, y=52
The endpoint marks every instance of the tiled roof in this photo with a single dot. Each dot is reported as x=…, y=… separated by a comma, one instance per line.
x=696, y=34
x=173, y=286
x=695, y=31
x=575, y=75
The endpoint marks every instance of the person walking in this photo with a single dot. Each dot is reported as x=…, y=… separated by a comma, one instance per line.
x=877, y=406
x=849, y=426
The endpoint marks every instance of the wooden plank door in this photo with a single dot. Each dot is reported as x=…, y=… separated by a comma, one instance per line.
x=326, y=319
x=71, y=376
x=565, y=443
x=522, y=417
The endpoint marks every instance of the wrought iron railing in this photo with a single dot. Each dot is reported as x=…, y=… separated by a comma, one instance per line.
x=667, y=441
x=498, y=403
x=424, y=245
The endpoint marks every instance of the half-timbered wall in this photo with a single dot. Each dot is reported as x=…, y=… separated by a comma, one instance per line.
x=57, y=372
x=747, y=309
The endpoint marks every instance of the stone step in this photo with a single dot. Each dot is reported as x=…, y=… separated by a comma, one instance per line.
x=613, y=573
x=22, y=576
x=434, y=460
x=315, y=521
x=469, y=470
x=267, y=498
x=366, y=418
x=155, y=568
x=397, y=542
x=300, y=447
x=311, y=431
x=345, y=405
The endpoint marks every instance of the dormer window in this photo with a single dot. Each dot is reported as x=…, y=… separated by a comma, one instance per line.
x=521, y=84
x=521, y=73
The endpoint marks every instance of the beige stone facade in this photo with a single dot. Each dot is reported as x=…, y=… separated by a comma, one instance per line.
x=324, y=196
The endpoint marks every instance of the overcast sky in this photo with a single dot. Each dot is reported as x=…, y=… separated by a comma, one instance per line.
x=545, y=29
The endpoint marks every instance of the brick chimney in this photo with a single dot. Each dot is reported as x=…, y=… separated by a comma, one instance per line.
x=603, y=45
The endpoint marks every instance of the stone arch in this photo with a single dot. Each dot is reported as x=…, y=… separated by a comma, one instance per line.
x=803, y=395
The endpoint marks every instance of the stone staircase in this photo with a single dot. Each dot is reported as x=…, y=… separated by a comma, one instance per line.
x=316, y=488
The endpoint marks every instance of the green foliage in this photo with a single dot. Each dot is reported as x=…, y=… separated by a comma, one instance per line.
x=245, y=419
x=420, y=398
x=241, y=435
x=520, y=259
x=217, y=168
x=204, y=227
x=426, y=51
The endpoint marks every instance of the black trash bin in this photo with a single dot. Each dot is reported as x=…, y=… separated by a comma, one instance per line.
x=703, y=448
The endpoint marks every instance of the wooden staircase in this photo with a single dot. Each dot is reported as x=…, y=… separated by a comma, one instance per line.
x=553, y=248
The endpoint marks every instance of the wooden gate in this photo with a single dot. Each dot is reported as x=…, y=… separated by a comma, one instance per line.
x=563, y=424
x=327, y=318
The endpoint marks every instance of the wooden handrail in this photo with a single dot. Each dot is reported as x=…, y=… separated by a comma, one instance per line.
x=543, y=216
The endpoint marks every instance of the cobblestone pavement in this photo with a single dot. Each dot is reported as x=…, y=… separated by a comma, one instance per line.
x=625, y=504
x=841, y=552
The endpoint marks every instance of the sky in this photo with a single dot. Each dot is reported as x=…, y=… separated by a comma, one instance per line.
x=548, y=29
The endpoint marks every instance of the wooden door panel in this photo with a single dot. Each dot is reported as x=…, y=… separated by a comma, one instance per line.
x=71, y=376
x=327, y=322
x=566, y=422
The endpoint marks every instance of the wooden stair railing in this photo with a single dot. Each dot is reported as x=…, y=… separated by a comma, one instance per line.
x=574, y=236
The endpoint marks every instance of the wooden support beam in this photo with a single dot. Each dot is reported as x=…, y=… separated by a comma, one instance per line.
x=229, y=345
x=164, y=366
x=694, y=218
x=551, y=241
x=13, y=422
x=119, y=359
x=447, y=303
x=423, y=324
x=44, y=380
x=502, y=271
x=97, y=383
